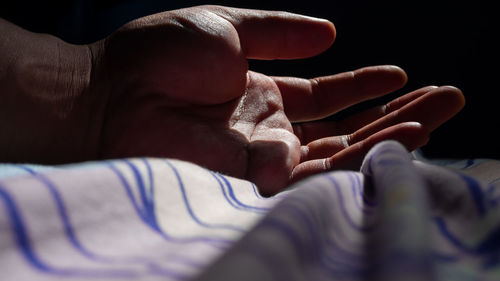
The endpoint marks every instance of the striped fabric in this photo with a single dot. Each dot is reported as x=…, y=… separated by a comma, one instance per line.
x=163, y=219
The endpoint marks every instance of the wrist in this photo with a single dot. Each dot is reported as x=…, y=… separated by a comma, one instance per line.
x=47, y=103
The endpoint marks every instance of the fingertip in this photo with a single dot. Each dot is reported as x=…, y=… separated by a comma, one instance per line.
x=412, y=125
x=282, y=35
x=457, y=95
x=332, y=29
x=330, y=32
x=309, y=168
x=381, y=79
x=411, y=134
x=397, y=72
x=329, y=29
x=450, y=96
x=309, y=37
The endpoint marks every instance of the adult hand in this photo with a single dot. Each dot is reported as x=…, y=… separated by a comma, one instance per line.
x=177, y=85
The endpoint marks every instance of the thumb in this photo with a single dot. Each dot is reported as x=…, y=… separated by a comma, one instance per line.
x=278, y=35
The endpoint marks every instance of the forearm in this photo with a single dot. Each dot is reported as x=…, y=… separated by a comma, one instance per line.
x=45, y=102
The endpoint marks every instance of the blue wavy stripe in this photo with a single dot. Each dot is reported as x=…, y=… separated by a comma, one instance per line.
x=469, y=163
x=151, y=191
x=318, y=245
x=334, y=260
x=256, y=191
x=337, y=268
x=24, y=244
x=318, y=239
x=366, y=199
x=20, y=232
x=376, y=155
x=493, y=200
x=328, y=240
x=130, y=195
x=450, y=236
x=79, y=247
x=476, y=193
x=326, y=234
x=357, y=191
x=74, y=240
x=26, y=169
x=223, y=184
x=147, y=200
x=236, y=200
x=190, y=209
x=346, y=216
x=489, y=245
x=258, y=196
x=61, y=209
x=223, y=190
x=212, y=241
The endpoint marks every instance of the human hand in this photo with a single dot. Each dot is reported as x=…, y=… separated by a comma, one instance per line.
x=177, y=84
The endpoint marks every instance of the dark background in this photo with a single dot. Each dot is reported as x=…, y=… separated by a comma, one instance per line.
x=436, y=42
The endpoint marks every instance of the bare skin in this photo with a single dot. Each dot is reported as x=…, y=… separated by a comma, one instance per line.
x=177, y=84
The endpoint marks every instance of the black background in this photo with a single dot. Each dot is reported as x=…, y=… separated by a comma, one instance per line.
x=436, y=42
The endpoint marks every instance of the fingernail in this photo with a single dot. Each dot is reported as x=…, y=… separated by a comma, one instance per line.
x=413, y=124
x=314, y=18
x=326, y=164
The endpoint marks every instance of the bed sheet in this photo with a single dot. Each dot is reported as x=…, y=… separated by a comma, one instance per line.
x=402, y=217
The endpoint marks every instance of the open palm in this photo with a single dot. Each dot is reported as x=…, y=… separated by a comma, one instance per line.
x=177, y=84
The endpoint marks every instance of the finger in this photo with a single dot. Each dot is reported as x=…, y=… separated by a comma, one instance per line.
x=328, y=146
x=405, y=99
x=278, y=35
x=324, y=147
x=359, y=120
x=448, y=99
x=306, y=100
x=310, y=131
x=411, y=134
x=431, y=110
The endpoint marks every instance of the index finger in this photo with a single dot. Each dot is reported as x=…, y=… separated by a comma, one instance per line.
x=312, y=99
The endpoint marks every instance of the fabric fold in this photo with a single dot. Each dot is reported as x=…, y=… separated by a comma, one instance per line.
x=162, y=219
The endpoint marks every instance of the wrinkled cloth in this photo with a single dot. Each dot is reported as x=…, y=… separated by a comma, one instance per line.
x=164, y=219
